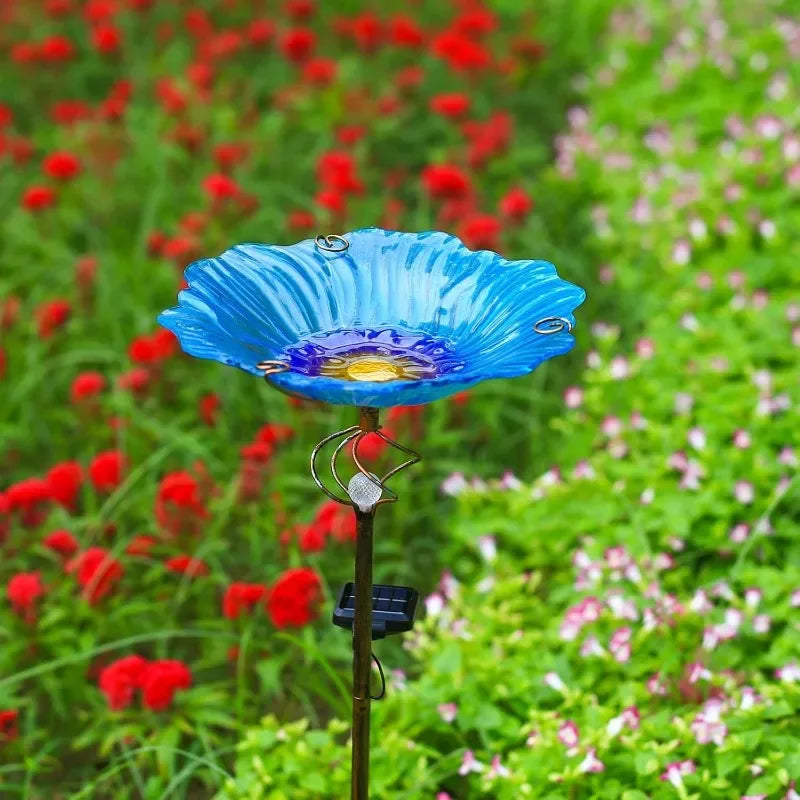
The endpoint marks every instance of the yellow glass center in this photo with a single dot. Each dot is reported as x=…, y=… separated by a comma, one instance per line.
x=373, y=369
x=377, y=368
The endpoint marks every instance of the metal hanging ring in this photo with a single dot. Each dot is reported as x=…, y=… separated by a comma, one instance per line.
x=329, y=243
x=550, y=325
x=272, y=367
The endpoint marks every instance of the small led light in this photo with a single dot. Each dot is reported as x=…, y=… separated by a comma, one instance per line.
x=363, y=492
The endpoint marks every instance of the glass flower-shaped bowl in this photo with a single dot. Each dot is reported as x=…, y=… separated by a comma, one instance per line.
x=373, y=317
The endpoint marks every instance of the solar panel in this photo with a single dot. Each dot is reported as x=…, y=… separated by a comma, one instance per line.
x=393, y=608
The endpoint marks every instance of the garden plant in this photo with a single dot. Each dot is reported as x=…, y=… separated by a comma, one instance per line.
x=607, y=549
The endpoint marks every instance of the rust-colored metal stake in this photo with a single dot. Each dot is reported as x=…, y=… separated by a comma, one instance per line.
x=362, y=635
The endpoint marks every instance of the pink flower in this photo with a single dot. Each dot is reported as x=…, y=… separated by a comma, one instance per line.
x=656, y=686
x=744, y=492
x=470, y=764
x=741, y=439
x=573, y=397
x=497, y=769
x=590, y=763
x=697, y=438
x=553, y=680
x=619, y=368
x=789, y=673
x=434, y=604
x=707, y=726
x=752, y=597
x=568, y=734
x=592, y=647
x=620, y=646
x=675, y=770
x=761, y=623
x=447, y=711
x=488, y=547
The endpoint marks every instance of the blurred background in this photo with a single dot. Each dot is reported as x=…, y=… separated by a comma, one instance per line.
x=606, y=548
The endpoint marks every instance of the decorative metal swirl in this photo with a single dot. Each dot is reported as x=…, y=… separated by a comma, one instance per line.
x=329, y=243
x=550, y=325
x=356, y=434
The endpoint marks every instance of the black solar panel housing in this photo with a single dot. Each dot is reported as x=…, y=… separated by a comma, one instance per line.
x=393, y=608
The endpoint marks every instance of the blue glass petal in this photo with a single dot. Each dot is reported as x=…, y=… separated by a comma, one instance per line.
x=258, y=302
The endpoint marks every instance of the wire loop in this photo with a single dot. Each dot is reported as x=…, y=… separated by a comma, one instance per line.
x=550, y=325
x=328, y=241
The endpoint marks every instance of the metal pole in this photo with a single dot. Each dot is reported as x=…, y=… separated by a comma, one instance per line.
x=362, y=636
x=362, y=654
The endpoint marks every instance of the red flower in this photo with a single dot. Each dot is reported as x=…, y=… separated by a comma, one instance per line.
x=6, y=116
x=160, y=681
x=61, y=165
x=179, y=505
x=229, y=154
x=8, y=725
x=151, y=349
x=331, y=200
x=240, y=597
x=64, y=482
x=61, y=542
x=106, y=39
x=404, y=32
x=56, y=48
x=294, y=599
x=300, y=9
x=298, y=44
x=219, y=187
x=135, y=380
x=23, y=590
x=461, y=53
x=86, y=386
x=106, y=470
x=260, y=32
x=515, y=204
x=371, y=446
x=97, y=570
x=367, y=30
x=336, y=520
x=301, y=221
x=120, y=679
x=51, y=316
x=409, y=77
x=320, y=71
x=2, y=363
x=311, y=538
x=24, y=53
x=141, y=545
x=208, y=406
x=450, y=105
x=38, y=198
x=187, y=565
x=257, y=452
x=476, y=22
x=274, y=433
x=85, y=271
x=29, y=497
x=443, y=181
x=481, y=232
x=68, y=112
